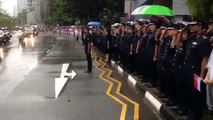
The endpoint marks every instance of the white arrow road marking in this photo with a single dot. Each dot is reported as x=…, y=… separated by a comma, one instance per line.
x=64, y=69
x=72, y=74
x=59, y=85
x=60, y=82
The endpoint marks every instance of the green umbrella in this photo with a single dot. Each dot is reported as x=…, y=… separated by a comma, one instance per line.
x=137, y=10
x=157, y=10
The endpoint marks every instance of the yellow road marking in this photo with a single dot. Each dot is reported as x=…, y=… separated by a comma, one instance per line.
x=108, y=92
x=136, y=105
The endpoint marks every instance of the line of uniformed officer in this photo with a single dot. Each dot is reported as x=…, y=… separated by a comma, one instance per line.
x=168, y=56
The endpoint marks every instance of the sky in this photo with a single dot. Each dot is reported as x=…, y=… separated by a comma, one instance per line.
x=8, y=6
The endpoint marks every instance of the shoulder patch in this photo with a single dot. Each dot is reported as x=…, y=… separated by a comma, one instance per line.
x=194, y=43
x=205, y=37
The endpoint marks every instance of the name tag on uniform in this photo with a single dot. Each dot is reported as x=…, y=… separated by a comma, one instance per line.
x=194, y=43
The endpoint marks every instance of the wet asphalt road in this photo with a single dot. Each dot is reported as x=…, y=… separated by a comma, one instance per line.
x=27, y=74
x=17, y=60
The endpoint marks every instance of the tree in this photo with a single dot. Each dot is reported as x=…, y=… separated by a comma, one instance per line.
x=5, y=19
x=66, y=12
x=201, y=8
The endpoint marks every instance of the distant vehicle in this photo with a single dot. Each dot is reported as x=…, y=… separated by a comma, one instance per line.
x=7, y=35
x=28, y=31
x=35, y=32
x=3, y=39
x=19, y=33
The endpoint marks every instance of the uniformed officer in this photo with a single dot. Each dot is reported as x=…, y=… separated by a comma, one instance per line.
x=158, y=56
x=137, y=36
x=195, y=61
x=109, y=45
x=114, y=43
x=128, y=43
x=150, y=50
x=99, y=38
x=183, y=38
x=165, y=55
x=168, y=56
x=141, y=51
x=87, y=48
x=122, y=47
x=118, y=42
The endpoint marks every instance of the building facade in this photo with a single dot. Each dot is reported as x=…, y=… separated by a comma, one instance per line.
x=33, y=11
x=21, y=4
x=44, y=10
x=22, y=12
x=31, y=19
x=180, y=9
x=14, y=11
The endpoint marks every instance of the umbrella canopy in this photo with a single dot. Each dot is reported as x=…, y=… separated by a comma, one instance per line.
x=98, y=24
x=157, y=10
x=137, y=10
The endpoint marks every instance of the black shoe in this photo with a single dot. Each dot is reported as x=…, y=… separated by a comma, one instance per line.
x=135, y=73
x=140, y=77
x=150, y=85
x=143, y=80
x=129, y=71
x=182, y=111
x=170, y=103
x=175, y=108
x=87, y=71
x=161, y=95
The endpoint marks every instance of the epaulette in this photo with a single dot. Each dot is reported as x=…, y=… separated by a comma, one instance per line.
x=205, y=37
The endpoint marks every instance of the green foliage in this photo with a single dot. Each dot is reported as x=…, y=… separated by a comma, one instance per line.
x=65, y=12
x=5, y=19
x=202, y=9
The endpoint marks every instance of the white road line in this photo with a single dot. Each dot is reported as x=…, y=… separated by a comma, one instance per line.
x=59, y=85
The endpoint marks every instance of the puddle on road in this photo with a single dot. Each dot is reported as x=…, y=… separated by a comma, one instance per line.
x=18, y=60
x=50, y=98
x=16, y=63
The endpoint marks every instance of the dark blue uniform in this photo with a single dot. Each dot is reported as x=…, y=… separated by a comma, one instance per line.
x=135, y=57
x=164, y=63
x=168, y=74
x=196, y=50
x=177, y=66
x=87, y=44
x=122, y=50
x=129, y=58
x=114, y=48
x=151, y=64
x=142, y=56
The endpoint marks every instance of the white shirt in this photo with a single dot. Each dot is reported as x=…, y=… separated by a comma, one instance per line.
x=210, y=66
